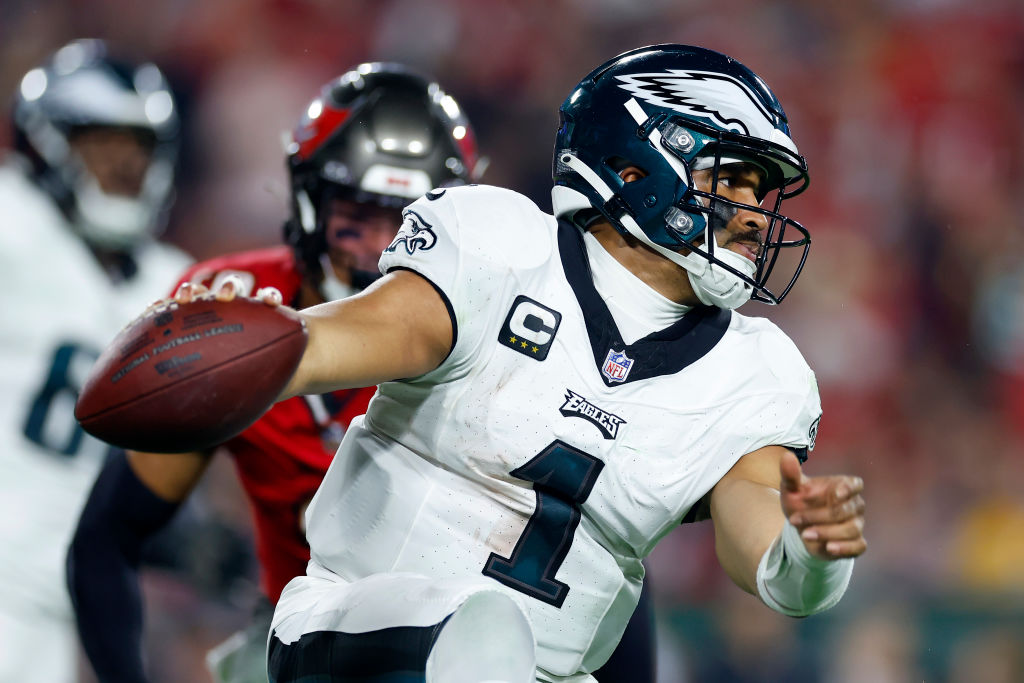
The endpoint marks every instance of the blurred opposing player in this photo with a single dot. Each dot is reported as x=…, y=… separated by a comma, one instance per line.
x=81, y=198
x=372, y=141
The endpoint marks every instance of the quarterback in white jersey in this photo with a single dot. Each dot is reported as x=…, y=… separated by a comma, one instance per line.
x=65, y=293
x=545, y=452
x=557, y=393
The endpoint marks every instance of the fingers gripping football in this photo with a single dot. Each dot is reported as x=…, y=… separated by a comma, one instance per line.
x=827, y=511
x=230, y=288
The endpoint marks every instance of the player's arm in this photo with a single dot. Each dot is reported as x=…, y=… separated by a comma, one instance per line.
x=397, y=327
x=132, y=499
x=799, y=567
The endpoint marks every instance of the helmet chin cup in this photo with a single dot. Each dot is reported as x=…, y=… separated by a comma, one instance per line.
x=713, y=284
x=716, y=286
x=111, y=221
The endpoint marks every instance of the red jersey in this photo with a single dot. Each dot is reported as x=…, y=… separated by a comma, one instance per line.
x=282, y=458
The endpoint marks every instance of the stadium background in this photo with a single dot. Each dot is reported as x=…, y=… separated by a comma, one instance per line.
x=911, y=309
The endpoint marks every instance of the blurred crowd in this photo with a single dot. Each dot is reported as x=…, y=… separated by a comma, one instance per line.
x=911, y=308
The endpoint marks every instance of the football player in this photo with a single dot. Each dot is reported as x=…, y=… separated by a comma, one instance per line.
x=372, y=141
x=557, y=393
x=82, y=196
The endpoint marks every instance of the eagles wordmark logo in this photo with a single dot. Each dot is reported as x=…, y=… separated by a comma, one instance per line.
x=577, y=406
x=716, y=96
x=414, y=234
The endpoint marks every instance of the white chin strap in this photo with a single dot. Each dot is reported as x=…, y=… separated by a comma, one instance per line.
x=718, y=287
x=714, y=286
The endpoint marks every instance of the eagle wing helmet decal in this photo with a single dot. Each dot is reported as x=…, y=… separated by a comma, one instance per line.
x=715, y=96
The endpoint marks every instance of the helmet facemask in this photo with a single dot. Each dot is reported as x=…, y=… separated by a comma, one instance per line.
x=117, y=218
x=698, y=219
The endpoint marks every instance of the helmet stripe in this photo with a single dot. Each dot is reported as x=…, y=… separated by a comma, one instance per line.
x=314, y=132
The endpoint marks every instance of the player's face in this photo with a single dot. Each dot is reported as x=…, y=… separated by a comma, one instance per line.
x=116, y=157
x=357, y=234
x=736, y=229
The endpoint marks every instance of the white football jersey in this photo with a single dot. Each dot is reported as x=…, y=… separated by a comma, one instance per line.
x=544, y=452
x=59, y=309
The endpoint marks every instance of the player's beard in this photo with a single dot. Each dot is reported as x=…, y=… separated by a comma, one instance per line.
x=721, y=215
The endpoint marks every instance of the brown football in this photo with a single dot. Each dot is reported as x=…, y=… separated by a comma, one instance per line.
x=187, y=377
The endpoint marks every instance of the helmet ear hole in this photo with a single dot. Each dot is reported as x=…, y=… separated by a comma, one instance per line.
x=620, y=165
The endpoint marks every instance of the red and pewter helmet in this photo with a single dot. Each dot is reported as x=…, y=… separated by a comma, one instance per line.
x=379, y=134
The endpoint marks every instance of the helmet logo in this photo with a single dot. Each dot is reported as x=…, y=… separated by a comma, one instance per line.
x=316, y=127
x=616, y=366
x=708, y=95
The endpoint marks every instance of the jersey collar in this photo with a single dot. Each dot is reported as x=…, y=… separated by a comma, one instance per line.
x=663, y=352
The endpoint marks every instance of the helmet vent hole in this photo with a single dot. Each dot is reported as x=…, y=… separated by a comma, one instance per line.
x=619, y=164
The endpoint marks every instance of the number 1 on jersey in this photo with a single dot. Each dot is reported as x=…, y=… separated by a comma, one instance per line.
x=562, y=478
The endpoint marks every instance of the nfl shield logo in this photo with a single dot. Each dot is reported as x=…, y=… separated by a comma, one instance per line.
x=616, y=366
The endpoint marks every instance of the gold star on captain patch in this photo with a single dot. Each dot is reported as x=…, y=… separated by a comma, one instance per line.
x=535, y=349
x=524, y=344
x=513, y=340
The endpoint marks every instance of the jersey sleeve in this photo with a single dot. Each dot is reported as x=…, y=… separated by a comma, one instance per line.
x=429, y=243
x=776, y=403
x=451, y=237
x=797, y=392
x=801, y=434
x=772, y=399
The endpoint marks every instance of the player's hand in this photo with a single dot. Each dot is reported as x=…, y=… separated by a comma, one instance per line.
x=190, y=291
x=827, y=511
x=228, y=290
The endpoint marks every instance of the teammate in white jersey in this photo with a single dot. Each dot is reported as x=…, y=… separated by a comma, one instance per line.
x=80, y=198
x=557, y=393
